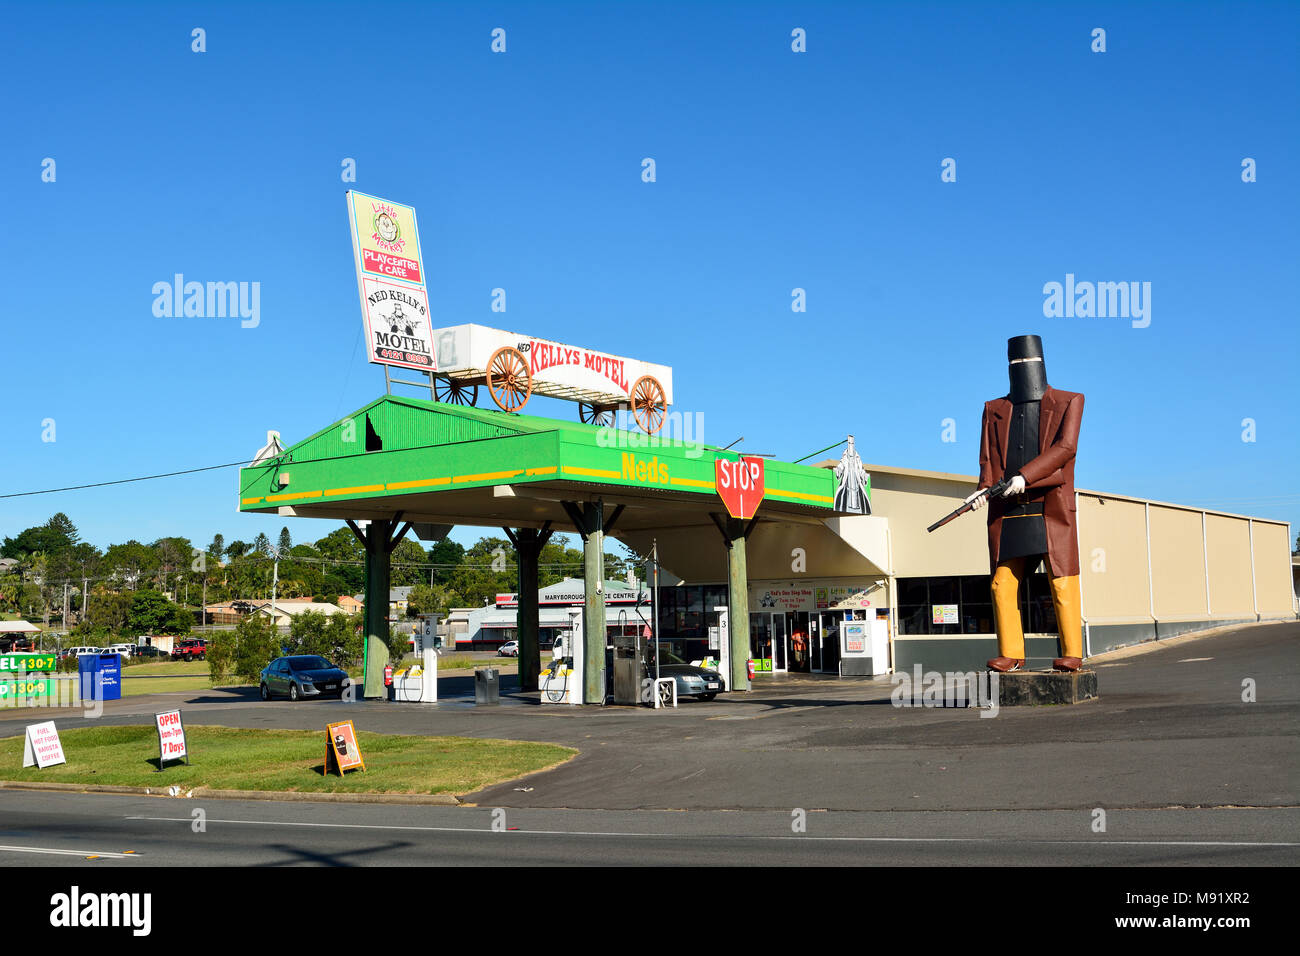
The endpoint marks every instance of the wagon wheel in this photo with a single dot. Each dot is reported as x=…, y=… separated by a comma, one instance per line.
x=455, y=392
x=648, y=404
x=508, y=379
x=594, y=414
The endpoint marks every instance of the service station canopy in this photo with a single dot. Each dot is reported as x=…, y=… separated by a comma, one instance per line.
x=458, y=465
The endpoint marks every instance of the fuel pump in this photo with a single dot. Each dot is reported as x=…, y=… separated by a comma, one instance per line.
x=561, y=682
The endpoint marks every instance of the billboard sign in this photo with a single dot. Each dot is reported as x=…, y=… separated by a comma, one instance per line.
x=390, y=278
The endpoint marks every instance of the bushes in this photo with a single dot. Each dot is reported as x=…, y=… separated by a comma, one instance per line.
x=243, y=652
x=336, y=637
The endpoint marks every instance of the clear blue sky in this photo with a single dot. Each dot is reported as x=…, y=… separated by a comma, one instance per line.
x=775, y=170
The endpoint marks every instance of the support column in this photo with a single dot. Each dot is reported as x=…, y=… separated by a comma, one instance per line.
x=528, y=544
x=735, y=532
x=379, y=543
x=589, y=518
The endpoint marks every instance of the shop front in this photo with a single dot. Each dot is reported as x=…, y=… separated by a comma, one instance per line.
x=796, y=628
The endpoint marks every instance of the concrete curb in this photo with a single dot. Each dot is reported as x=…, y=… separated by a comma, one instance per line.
x=196, y=793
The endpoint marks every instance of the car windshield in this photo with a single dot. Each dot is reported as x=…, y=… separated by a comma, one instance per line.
x=668, y=657
x=309, y=663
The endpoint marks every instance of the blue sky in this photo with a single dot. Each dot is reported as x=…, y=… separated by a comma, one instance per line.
x=775, y=170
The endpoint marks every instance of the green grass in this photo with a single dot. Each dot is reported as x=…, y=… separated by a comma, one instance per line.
x=285, y=760
x=167, y=669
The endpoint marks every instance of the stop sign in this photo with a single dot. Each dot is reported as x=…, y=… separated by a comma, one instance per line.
x=740, y=485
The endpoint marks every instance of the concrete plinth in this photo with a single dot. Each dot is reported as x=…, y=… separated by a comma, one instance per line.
x=1033, y=688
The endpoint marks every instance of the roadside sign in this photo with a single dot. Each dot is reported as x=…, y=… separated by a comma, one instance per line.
x=341, y=750
x=398, y=331
x=740, y=485
x=27, y=662
x=42, y=747
x=171, y=738
x=385, y=238
x=390, y=278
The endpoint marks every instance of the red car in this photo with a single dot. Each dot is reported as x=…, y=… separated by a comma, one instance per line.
x=190, y=649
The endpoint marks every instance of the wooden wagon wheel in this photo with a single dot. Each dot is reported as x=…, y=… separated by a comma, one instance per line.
x=649, y=406
x=454, y=392
x=508, y=379
x=594, y=414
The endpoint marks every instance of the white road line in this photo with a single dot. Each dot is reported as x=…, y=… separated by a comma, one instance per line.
x=57, y=852
x=727, y=836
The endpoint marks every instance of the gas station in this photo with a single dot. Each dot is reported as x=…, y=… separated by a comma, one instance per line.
x=401, y=464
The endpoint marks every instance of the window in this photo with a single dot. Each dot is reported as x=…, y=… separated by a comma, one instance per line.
x=918, y=596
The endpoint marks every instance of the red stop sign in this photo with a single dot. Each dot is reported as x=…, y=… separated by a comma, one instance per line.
x=740, y=485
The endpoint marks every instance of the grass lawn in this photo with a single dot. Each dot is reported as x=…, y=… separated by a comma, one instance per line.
x=164, y=677
x=236, y=759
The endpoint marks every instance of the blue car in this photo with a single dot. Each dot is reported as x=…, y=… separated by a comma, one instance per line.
x=302, y=675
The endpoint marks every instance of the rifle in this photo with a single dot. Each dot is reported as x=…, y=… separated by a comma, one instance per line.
x=966, y=506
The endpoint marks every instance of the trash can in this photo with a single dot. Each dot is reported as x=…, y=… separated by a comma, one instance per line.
x=100, y=676
x=487, y=686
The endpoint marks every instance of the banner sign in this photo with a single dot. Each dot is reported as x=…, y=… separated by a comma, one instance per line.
x=42, y=747
x=390, y=277
x=27, y=662
x=171, y=737
x=341, y=750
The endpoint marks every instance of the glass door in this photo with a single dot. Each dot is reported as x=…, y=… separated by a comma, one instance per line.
x=780, y=638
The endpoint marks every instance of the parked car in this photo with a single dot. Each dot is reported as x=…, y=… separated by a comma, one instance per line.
x=508, y=649
x=692, y=681
x=81, y=651
x=190, y=649
x=302, y=675
x=126, y=650
x=148, y=650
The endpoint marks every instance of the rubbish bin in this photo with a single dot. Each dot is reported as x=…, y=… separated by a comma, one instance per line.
x=100, y=676
x=487, y=686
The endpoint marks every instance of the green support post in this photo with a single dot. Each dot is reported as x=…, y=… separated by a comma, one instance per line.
x=735, y=532
x=589, y=518
x=379, y=543
x=528, y=544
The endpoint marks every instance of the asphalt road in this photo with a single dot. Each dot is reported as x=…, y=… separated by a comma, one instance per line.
x=1186, y=772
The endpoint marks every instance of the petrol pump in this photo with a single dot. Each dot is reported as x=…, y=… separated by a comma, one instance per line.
x=561, y=681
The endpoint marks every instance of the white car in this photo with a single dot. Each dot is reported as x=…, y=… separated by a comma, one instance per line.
x=126, y=650
x=82, y=651
x=508, y=649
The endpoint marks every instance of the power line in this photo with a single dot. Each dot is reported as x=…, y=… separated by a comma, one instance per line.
x=123, y=481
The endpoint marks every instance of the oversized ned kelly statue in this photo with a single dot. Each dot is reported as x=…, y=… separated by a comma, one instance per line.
x=1027, y=448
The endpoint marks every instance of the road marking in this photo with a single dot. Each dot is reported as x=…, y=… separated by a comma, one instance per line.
x=88, y=854
x=727, y=836
x=1193, y=660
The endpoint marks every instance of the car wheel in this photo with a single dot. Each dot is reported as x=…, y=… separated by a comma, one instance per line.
x=706, y=696
x=293, y=691
x=265, y=691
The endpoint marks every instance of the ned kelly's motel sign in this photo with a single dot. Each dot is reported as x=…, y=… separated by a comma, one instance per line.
x=390, y=277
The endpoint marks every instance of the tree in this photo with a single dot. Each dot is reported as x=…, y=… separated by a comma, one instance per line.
x=152, y=613
x=130, y=562
x=218, y=547
x=286, y=541
x=261, y=544
x=237, y=549
x=243, y=652
x=408, y=562
x=446, y=556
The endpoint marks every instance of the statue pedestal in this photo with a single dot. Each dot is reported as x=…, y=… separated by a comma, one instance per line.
x=1035, y=688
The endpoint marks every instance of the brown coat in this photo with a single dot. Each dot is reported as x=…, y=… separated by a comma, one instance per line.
x=1049, y=477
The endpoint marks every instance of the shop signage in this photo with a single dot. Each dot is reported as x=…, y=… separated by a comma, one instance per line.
x=943, y=614
x=398, y=331
x=42, y=747
x=739, y=484
x=390, y=277
x=855, y=637
x=341, y=750
x=20, y=689
x=385, y=238
x=171, y=737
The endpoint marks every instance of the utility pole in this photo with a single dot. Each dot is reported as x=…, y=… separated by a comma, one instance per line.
x=65, y=607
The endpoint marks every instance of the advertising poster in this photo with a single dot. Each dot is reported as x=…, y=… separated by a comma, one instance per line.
x=943, y=614
x=855, y=637
x=341, y=750
x=385, y=238
x=42, y=747
x=171, y=737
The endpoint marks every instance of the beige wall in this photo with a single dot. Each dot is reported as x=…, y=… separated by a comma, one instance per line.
x=1113, y=559
x=1177, y=563
x=912, y=504
x=1227, y=542
x=1273, y=568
